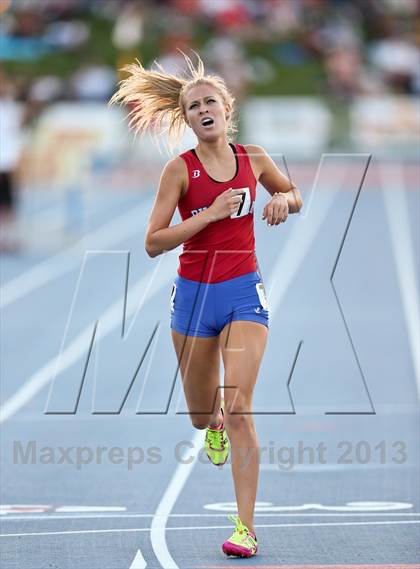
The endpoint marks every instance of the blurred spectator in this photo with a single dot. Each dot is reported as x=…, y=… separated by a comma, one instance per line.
x=67, y=35
x=46, y=89
x=398, y=60
x=346, y=76
x=228, y=14
x=11, y=119
x=344, y=48
x=93, y=81
x=171, y=59
x=27, y=22
x=128, y=29
x=227, y=58
x=283, y=17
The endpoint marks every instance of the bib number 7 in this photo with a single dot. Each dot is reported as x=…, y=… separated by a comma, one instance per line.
x=245, y=205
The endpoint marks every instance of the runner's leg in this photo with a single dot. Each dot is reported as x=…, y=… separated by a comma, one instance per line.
x=241, y=370
x=199, y=361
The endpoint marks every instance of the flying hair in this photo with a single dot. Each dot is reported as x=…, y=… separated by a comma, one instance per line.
x=156, y=98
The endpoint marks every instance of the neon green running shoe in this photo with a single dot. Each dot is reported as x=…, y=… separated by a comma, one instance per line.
x=242, y=543
x=217, y=444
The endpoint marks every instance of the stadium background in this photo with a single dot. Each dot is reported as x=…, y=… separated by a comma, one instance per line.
x=344, y=71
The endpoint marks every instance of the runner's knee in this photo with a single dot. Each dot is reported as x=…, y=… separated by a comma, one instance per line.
x=200, y=421
x=238, y=414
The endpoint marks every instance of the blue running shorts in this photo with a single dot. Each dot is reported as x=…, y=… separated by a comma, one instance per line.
x=204, y=309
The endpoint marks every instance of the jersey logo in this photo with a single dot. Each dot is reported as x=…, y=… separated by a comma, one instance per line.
x=196, y=173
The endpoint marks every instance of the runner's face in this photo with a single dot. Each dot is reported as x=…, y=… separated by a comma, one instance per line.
x=205, y=112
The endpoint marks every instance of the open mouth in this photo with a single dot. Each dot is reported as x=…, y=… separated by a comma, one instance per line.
x=207, y=121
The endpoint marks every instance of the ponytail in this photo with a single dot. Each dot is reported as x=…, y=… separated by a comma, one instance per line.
x=156, y=98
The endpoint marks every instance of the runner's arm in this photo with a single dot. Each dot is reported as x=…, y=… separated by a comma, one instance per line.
x=159, y=236
x=272, y=178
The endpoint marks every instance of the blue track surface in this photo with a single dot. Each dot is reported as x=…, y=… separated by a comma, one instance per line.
x=336, y=400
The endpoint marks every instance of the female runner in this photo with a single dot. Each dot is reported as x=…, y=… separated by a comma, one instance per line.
x=218, y=301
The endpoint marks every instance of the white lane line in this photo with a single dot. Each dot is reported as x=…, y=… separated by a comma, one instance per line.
x=293, y=254
x=105, y=236
x=57, y=210
x=169, y=498
x=184, y=528
x=109, y=320
x=78, y=532
x=138, y=561
x=396, y=206
x=89, y=509
x=53, y=517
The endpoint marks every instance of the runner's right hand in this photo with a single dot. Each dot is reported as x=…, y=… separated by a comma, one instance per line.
x=225, y=204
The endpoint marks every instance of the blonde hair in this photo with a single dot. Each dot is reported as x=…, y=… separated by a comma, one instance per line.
x=157, y=98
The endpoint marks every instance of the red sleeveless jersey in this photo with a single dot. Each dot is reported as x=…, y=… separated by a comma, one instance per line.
x=226, y=248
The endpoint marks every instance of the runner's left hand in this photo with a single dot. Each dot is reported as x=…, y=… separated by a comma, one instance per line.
x=277, y=210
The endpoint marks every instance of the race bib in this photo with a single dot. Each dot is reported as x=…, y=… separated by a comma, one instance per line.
x=173, y=293
x=245, y=206
x=261, y=295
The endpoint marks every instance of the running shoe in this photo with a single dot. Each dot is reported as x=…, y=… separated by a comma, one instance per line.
x=242, y=543
x=217, y=444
